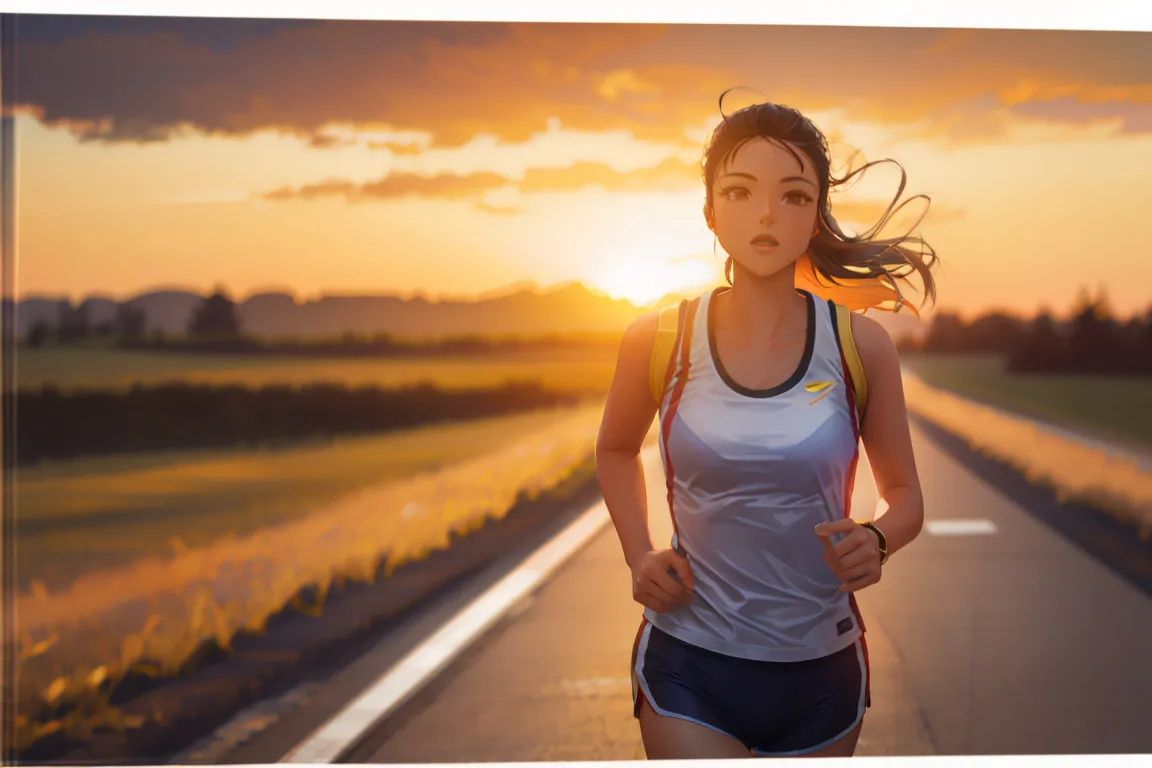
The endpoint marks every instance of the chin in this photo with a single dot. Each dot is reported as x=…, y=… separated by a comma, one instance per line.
x=763, y=267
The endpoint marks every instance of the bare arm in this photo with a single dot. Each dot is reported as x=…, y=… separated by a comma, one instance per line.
x=628, y=416
x=886, y=436
x=855, y=559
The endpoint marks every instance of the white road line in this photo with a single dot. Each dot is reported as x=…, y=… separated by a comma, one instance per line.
x=956, y=527
x=327, y=743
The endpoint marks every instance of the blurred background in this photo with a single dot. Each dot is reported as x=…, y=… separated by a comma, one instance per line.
x=301, y=303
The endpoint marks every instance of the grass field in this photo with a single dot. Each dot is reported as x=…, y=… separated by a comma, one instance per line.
x=267, y=527
x=1112, y=408
x=109, y=368
x=1073, y=469
x=128, y=559
x=77, y=516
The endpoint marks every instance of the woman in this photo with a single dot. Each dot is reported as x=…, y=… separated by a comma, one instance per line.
x=751, y=641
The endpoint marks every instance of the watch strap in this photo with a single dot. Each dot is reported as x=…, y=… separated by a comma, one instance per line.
x=883, y=540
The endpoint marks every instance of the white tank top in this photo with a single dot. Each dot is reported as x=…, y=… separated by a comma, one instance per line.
x=751, y=473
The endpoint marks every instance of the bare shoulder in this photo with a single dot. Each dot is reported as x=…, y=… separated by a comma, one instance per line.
x=630, y=406
x=641, y=333
x=645, y=324
x=875, y=346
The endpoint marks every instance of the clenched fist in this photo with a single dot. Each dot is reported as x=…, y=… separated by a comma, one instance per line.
x=662, y=580
x=855, y=559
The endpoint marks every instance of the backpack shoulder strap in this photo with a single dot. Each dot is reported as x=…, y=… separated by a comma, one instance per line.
x=843, y=319
x=662, y=348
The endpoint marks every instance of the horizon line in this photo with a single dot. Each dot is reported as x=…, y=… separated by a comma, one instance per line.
x=300, y=297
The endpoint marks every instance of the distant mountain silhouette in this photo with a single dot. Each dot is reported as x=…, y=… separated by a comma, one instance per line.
x=521, y=309
x=570, y=308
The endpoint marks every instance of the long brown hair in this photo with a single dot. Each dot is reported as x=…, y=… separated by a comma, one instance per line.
x=836, y=256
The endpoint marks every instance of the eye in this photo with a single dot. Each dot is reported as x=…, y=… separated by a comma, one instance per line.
x=732, y=194
x=796, y=197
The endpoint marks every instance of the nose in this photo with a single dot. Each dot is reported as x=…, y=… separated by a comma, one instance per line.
x=766, y=214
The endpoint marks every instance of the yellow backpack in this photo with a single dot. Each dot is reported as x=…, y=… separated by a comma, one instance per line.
x=669, y=329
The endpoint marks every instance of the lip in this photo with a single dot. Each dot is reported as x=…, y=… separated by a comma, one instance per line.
x=765, y=241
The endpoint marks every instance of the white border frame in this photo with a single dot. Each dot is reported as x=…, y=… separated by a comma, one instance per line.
x=1101, y=15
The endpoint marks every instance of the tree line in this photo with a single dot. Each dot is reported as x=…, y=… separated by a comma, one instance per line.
x=56, y=425
x=1091, y=340
x=214, y=317
x=215, y=328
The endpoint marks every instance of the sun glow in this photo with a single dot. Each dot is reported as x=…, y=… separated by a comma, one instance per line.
x=644, y=280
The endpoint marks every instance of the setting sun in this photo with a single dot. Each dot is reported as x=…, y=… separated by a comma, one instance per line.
x=361, y=189
x=313, y=320
x=645, y=280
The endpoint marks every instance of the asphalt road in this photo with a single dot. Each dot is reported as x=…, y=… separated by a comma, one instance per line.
x=999, y=637
x=1008, y=640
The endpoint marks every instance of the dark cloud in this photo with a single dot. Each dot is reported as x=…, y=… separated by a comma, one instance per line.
x=218, y=34
x=140, y=79
x=453, y=80
x=1135, y=118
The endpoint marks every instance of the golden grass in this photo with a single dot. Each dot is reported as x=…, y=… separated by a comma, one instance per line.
x=158, y=610
x=1117, y=408
x=1074, y=471
x=98, y=512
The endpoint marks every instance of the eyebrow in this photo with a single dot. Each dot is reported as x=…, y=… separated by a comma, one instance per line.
x=784, y=180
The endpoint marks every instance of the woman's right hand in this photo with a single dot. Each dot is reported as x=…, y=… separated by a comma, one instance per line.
x=662, y=580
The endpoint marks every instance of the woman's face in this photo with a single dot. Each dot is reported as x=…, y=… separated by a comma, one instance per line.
x=764, y=207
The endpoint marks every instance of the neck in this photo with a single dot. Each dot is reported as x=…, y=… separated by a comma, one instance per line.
x=765, y=306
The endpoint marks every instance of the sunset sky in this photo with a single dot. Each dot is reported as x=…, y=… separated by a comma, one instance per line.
x=455, y=158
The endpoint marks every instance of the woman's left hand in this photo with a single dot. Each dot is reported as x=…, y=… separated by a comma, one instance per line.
x=855, y=559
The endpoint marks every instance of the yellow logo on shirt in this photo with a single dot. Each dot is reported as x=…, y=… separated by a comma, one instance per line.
x=817, y=386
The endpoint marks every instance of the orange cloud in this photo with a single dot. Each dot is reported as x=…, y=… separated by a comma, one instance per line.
x=327, y=141
x=622, y=81
x=671, y=174
x=311, y=191
x=498, y=210
x=869, y=212
x=396, y=149
x=940, y=84
x=447, y=186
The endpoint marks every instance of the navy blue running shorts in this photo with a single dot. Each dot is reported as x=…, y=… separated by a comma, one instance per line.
x=773, y=708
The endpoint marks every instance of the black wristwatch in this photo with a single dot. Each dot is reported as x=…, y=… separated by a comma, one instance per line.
x=883, y=540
